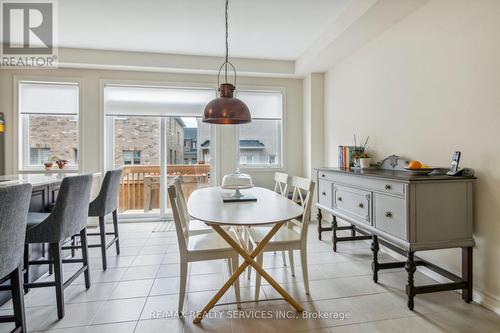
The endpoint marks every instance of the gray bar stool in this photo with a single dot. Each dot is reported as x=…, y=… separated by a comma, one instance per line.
x=68, y=218
x=107, y=203
x=14, y=204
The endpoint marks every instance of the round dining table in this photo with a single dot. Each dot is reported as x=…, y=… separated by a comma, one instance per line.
x=270, y=208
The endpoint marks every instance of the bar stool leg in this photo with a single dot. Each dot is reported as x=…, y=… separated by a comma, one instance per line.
x=85, y=256
x=26, y=266
x=73, y=243
x=102, y=232
x=320, y=218
x=51, y=266
x=115, y=226
x=58, y=277
x=16, y=284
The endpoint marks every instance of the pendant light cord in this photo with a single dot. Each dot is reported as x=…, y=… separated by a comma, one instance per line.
x=226, y=63
x=227, y=44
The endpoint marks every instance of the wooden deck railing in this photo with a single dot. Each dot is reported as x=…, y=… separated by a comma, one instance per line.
x=132, y=189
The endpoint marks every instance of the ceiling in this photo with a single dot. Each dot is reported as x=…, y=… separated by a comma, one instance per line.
x=265, y=29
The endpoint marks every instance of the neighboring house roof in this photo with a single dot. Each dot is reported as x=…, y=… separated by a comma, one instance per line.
x=244, y=144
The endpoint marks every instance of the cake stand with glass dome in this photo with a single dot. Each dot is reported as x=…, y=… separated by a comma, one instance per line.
x=237, y=181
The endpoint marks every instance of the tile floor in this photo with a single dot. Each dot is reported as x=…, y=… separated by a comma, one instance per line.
x=138, y=293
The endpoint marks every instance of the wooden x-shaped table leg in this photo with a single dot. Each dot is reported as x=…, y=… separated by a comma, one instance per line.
x=249, y=260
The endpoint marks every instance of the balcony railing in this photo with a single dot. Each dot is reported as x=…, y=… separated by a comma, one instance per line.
x=140, y=185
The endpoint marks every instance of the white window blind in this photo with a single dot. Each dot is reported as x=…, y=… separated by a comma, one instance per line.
x=48, y=99
x=262, y=104
x=156, y=101
x=261, y=140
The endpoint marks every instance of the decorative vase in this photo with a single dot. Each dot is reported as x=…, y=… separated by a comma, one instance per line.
x=61, y=164
x=48, y=166
x=365, y=162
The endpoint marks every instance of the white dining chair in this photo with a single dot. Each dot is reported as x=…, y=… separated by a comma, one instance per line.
x=195, y=227
x=200, y=247
x=281, y=183
x=292, y=236
x=281, y=187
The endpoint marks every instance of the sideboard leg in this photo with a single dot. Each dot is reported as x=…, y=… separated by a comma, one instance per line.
x=410, y=287
x=375, y=248
x=467, y=273
x=334, y=233
x=320, y=229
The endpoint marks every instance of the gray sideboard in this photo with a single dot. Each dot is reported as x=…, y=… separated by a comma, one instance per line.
x=407, y=213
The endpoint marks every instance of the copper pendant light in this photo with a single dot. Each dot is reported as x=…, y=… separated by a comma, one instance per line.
x=226, y=110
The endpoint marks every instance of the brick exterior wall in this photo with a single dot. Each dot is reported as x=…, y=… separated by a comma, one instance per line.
x=57, y=133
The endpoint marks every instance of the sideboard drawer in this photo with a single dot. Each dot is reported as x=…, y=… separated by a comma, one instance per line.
x=325, y=189
x=352, y=202
x=390, y=215
x=379, y=185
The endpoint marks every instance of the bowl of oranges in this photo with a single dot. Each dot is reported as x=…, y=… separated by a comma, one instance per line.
x=417, y=167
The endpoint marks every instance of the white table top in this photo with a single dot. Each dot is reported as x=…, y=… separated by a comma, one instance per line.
x=206, y=205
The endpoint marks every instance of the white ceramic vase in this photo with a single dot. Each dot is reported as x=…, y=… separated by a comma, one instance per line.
x=365, y=162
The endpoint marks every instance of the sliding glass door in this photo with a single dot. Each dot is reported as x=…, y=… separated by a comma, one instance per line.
x=155, y=134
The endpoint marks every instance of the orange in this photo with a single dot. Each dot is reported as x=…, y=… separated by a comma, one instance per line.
x=414, y=165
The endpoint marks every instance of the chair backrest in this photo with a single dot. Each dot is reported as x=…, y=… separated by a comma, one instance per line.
x=14, y=204
x=70, y=212
x=281, y=183
x=303, y=191
x=177, y=182
x=107, y=200
x=181, y=216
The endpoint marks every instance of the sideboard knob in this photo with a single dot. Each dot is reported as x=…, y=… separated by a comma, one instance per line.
x=323, y=193
x=388, y=214
x=360, y=205
x=339, y=198
x=388, y=187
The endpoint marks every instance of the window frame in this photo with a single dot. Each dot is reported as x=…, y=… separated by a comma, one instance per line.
x=265, y=167
x=133, y=152
x=20, y=131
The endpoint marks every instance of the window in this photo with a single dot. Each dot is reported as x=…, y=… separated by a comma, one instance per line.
x=38, y=156
x=48, y=123
x=131, y=157
x=261, y=140
x=161, y=123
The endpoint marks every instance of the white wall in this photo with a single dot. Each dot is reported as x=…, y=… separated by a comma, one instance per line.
x=91, y=152
x=427, y=86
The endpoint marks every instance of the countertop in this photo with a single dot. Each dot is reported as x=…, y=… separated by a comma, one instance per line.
x=399, y=175
x=36, y=179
